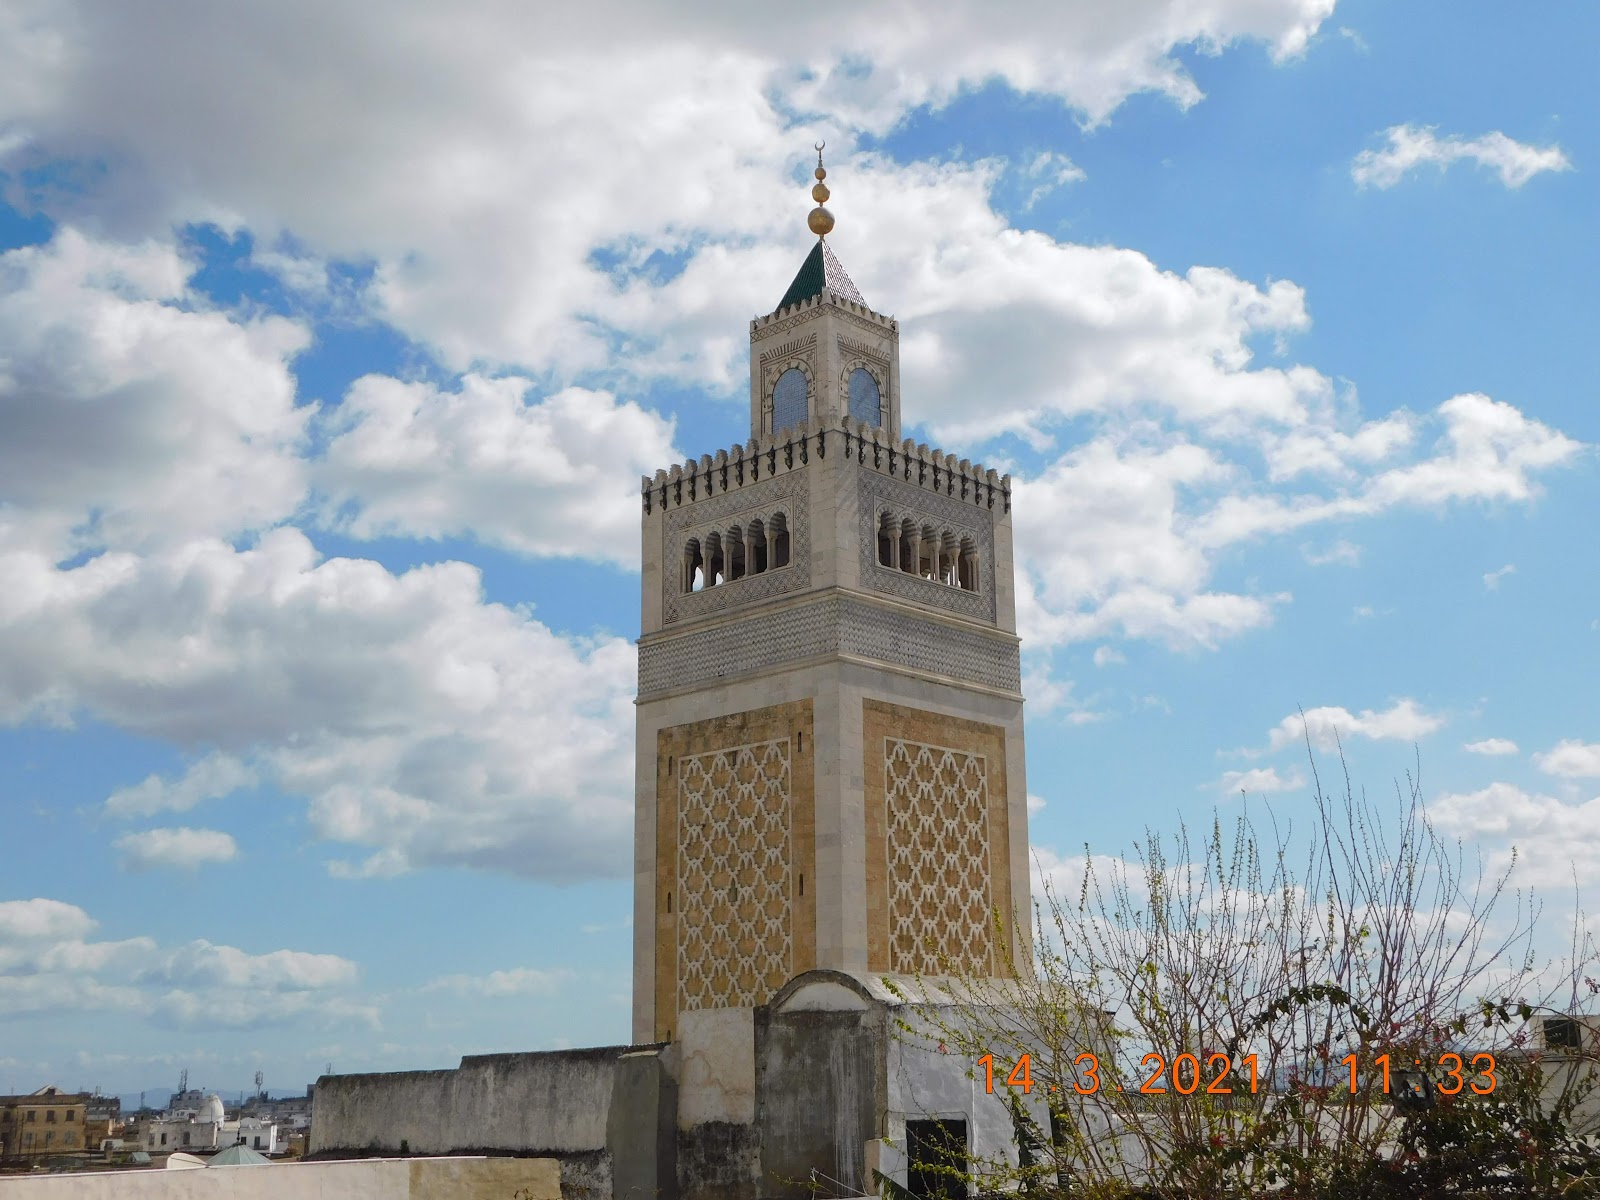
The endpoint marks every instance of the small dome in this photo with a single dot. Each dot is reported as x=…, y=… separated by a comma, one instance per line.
x=210, y=1112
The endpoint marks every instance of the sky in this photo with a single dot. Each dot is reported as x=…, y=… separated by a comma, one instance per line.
x=334, y=339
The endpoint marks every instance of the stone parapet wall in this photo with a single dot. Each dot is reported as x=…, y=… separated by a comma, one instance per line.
x=762, y=458
x=519, y=1102
x=368, y=1179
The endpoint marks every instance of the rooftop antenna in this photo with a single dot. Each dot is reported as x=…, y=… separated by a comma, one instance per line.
x=260, y=1095
x=183, y=1080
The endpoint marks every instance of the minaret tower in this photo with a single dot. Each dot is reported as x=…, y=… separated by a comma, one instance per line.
x=830, y=764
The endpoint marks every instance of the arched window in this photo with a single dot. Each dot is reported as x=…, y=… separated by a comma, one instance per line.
x=969, y=565
x=756, y=539
x=790, y=400
x=888, y=540
x=715, y=571
x=778, y=541
x=694, y=572
x=865, y=402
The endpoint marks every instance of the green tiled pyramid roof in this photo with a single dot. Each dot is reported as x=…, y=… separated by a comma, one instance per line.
x=820, y=270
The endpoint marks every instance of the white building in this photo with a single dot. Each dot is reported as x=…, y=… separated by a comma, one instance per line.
x=260, y=1134
x=203, y=1128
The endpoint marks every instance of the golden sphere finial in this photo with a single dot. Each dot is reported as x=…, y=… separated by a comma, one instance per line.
x=820, y=220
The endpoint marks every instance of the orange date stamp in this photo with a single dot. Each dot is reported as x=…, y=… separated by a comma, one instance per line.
x=1186, y=1076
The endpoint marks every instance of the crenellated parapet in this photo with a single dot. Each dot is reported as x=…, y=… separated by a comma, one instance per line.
x=760, y=326
x=912, y=462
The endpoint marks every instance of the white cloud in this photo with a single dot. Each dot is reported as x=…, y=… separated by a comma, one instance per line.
x=210, y=778
x=40, y=919
x=1493, y=746
x=48, y=964
x=1411, y=146
x=1106, y=550
x=458, y=157
x=1120, y=535
x=402, y=706
x=1403, y=721
x=200, y=964
x=1491, y=579
x=560, y=476
x=1035, y=803
x=1049, y=171
x=1553, y=840
x=182, y=849
x=1257, y=781
x=1106, y=655
x=1488, y=451
x=133, y=416
x=1341, y=552
x=1570, y=759
x=517, y=981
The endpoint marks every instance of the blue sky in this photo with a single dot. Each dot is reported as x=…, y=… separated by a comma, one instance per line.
x=333, y=343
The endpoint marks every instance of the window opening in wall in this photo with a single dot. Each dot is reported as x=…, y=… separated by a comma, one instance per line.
x=969, y=565
x=779, y=540
x=714, y=565
x=724, y=556
x=669, y=764
x=1562, y=1033
x=865, y=402
x=937, y=1158
x=938, y=556
x=669, y=902
x=694, y=566
x=799, y=742
x=756, y=551
x=790, y=400
x=802, y=885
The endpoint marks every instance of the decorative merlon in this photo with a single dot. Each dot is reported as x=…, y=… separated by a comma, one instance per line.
x=827, y=296
x=915, y=462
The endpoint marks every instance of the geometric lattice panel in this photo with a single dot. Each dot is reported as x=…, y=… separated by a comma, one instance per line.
x=937, y=827
x=734, y=925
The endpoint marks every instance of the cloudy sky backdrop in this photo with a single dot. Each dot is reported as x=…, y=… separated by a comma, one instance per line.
x=335, y=337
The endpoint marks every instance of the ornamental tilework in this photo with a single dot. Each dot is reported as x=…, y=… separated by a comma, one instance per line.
x=937, y=823
x=969, y=655
x=788, y=493
x=877, y=494
x=734, y=941
x=829, y=625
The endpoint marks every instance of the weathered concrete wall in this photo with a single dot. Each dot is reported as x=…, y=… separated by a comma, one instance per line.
x=643, y=1129
x=519, y=1103
x=717, y=1066
x=719, y=1154
x=819, y=1088
x=365, y=1179
x=719, y=1160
